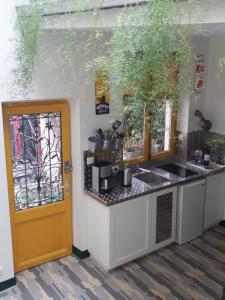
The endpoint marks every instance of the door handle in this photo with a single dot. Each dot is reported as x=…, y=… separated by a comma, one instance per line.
x=66, y=187
x=68, y=166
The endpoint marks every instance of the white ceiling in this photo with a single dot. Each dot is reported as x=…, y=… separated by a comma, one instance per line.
x=213, y=19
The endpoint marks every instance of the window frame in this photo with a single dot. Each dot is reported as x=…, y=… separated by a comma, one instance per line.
x=172, y=142
x=147, y=151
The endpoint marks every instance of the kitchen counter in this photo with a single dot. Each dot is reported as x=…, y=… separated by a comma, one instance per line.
x=120, y=233
x=138, y=188
x=206, y=170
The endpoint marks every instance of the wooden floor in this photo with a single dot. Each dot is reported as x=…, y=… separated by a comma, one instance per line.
x=193, y=271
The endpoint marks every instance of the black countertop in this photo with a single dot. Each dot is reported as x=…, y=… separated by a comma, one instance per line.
x=138, y=188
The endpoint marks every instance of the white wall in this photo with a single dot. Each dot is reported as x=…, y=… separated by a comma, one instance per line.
x=190, y=102
x=200, y=46
x=80, y=90
x=6, y=63
x=80, y=93
x=215, y=86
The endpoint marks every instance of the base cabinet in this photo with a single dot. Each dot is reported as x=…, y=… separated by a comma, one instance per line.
x=125, y=231
x=214, y=200
x=190, y=211
x=163, y=218
x=130, y=230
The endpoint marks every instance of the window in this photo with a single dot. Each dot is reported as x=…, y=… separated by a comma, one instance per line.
x=163, y=131
x=142, y=142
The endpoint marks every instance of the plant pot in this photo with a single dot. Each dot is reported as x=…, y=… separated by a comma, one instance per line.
x=132, y=154
x=94, y=143
x=107, y=145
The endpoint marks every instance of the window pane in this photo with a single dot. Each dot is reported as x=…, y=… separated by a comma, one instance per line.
x=161, y=126
x=134, y=140
x=37, y=159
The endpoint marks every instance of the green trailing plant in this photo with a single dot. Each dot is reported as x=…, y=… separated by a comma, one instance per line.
x=150, y=58
x=147, y=48
x=215, y=141
x=30, y=32
x=29, y=28
x=148, y=45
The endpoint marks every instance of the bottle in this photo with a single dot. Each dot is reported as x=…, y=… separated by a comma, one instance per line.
x=206, y=155
x=198, y=157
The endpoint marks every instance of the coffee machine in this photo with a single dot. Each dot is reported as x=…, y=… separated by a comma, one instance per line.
x=101, y=176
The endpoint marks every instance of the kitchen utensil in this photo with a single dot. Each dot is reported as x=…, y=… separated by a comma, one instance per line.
x=100, y=133
x=108, y=134
x=118, y=141
x=116, y=125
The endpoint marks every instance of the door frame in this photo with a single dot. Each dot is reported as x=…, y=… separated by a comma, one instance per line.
x=29, y=105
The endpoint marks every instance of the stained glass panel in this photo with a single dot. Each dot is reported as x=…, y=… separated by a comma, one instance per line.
x=36, y=151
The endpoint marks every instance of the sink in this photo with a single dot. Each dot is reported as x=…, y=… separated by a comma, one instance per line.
x=212, y=166
x=177, y=170
x=151, y=178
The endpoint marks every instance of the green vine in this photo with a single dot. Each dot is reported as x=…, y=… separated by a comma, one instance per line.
x=29, y=28
x=148, y=44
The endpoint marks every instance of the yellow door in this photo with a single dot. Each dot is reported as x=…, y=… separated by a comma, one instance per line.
x=37, y=143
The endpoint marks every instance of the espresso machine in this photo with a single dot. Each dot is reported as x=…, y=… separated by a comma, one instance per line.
x=102, y=176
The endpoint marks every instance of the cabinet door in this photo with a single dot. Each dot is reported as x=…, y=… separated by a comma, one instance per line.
x=163, y=218
x=214, y=202
x=191, y=197
x=129, y=230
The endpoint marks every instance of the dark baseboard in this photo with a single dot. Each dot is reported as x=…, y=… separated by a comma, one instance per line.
x=79, y=253
x=7, y=284
x=222, y=223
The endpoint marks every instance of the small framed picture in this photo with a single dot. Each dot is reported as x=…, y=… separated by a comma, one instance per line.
x=199, y=73
x=102, y=97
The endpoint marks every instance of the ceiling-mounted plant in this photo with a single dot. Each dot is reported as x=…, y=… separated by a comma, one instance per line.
x=148, y=43
x=29, y=28
x=150, y=54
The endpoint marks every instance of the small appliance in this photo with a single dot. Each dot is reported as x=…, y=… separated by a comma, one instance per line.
x=125, y=177
x=101, y=176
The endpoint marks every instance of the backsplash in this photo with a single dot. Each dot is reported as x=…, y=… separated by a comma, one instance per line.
x=196, y=140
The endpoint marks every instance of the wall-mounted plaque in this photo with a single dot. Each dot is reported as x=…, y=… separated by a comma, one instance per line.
x=102, y=97
x=199, y=73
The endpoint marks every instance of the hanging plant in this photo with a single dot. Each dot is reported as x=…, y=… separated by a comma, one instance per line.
x=29, y=29
x=148, y=46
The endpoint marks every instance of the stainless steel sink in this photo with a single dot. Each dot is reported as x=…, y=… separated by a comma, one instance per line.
x=212, y=166
x=151, y=178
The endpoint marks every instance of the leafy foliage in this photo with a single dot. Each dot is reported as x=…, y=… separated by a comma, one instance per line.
x=148, y=45
x=29, y=27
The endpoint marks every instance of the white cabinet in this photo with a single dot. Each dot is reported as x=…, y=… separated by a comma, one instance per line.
x=214, y=200
x=129, y=230
x=190, y=211
x=123, y=232
x=163, y=218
